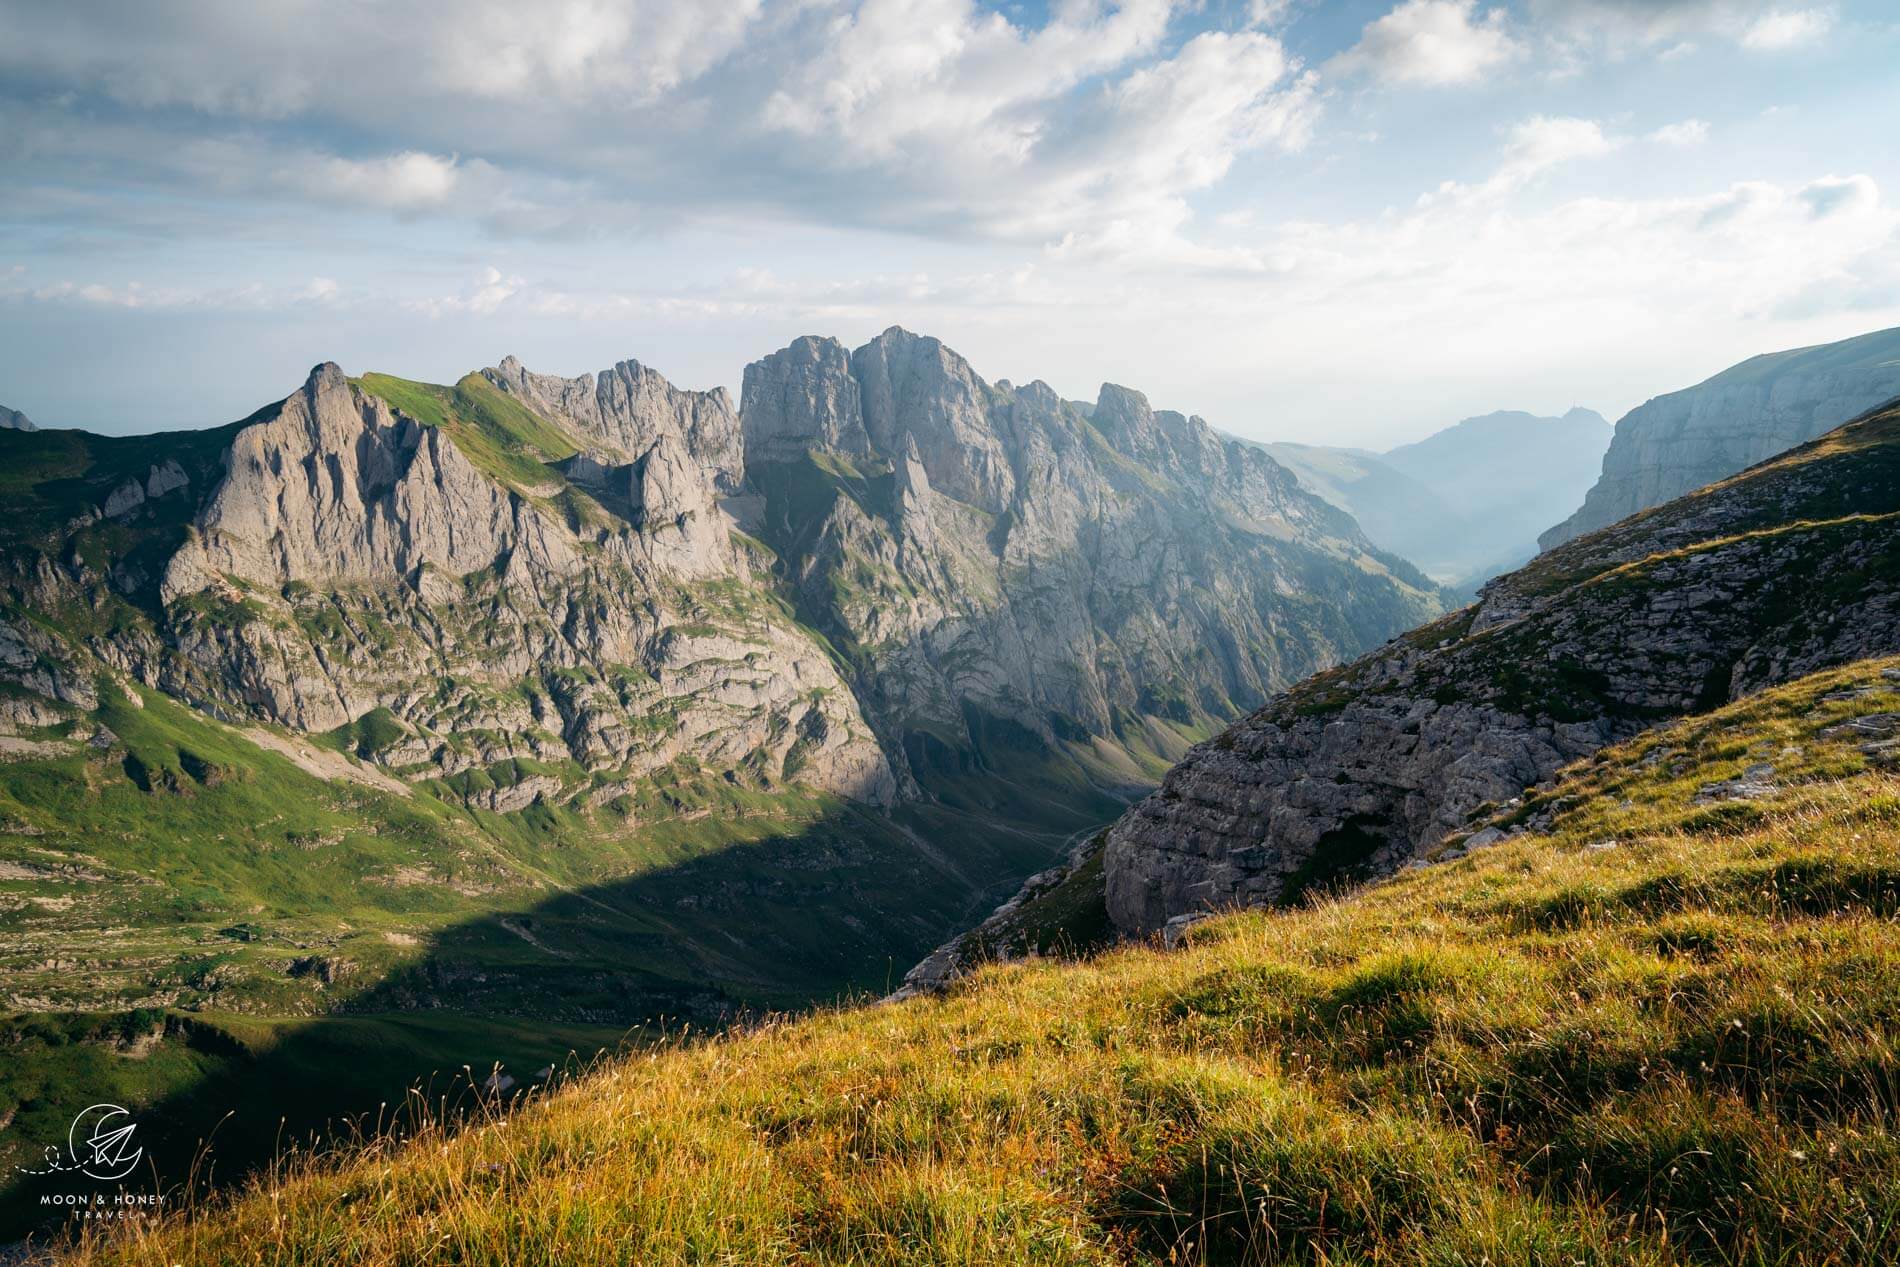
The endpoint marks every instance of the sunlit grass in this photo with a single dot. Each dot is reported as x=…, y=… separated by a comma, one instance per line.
x=1649, y=1035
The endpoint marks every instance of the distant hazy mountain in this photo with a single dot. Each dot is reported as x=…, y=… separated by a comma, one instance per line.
x=1744, y=415
x=1465, y=503
x=1387, y=503
x=14, y=420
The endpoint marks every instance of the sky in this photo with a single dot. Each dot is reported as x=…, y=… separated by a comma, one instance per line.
x=1334, y=221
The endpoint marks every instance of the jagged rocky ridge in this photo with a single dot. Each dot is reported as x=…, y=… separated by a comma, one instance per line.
x=544, y=574
x=1746, y=414
x=1001, y=570
x=14, y=420
x=1789, y=567
x=338, y=558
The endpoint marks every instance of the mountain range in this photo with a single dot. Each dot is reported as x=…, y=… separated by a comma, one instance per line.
x=1746, y=414
x=1466, y=502
x=403, y=726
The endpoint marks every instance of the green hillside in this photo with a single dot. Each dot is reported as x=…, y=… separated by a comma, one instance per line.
x=193, y=923
x=1660, y=1030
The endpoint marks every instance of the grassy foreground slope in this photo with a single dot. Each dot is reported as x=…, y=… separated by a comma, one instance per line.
x=1661, y=1029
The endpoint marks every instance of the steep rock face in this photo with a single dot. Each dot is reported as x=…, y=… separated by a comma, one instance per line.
x=1002, y=570
x=1746, y=414
x=1784, y=570
x=800, y=398
x=14, y=420
x=629, y=408
x=527, y=586
x=340, y=488
x=343, y=559
x=918, y=391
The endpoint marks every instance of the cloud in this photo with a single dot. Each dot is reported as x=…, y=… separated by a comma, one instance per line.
x=619, y=117
x=1681, y=135
x=1787, y=28
x=1431, y=42
x=236, y=57
x=136, y=296
x=942, y=72
x=1544, y=142
x=1532, y=147
x=404, y=182
x=1639, y=21
x=1621, y=25
x=1267, y=13
x=489, y=292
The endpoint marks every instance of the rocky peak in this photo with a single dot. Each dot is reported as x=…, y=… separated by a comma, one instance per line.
x=914, y=386
x=1015, y=577
x=495, y=610
x=1185, y=447
x=325, y=377
x=800, y=398
x=14, y=420
x=629, y=406
x=339, y=487
x=1123, y=415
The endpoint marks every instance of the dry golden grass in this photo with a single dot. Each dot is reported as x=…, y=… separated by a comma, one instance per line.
x=1662, y=1032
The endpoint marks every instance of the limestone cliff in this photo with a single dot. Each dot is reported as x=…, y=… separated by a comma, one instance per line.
x=1787, y=568
x=504, y=627
x=1746, y=414
x=533, y=588
x=629, y=408
x=1004, y=573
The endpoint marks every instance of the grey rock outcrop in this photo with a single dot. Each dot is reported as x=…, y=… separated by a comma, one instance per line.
x=629, y=408
x=1356, y=772
x=14, y=420
x=1744, y=415
x=1003, y=570
x=800, y=398
x=339, y=488
x=346, y=558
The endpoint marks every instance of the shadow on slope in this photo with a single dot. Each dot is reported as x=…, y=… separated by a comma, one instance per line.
x=829, y=909
x=233, y=948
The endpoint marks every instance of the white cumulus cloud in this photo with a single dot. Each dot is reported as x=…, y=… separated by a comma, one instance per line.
x=1432, y=42
x=404, y=182
x=1787, y=28
x=1682, y=135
